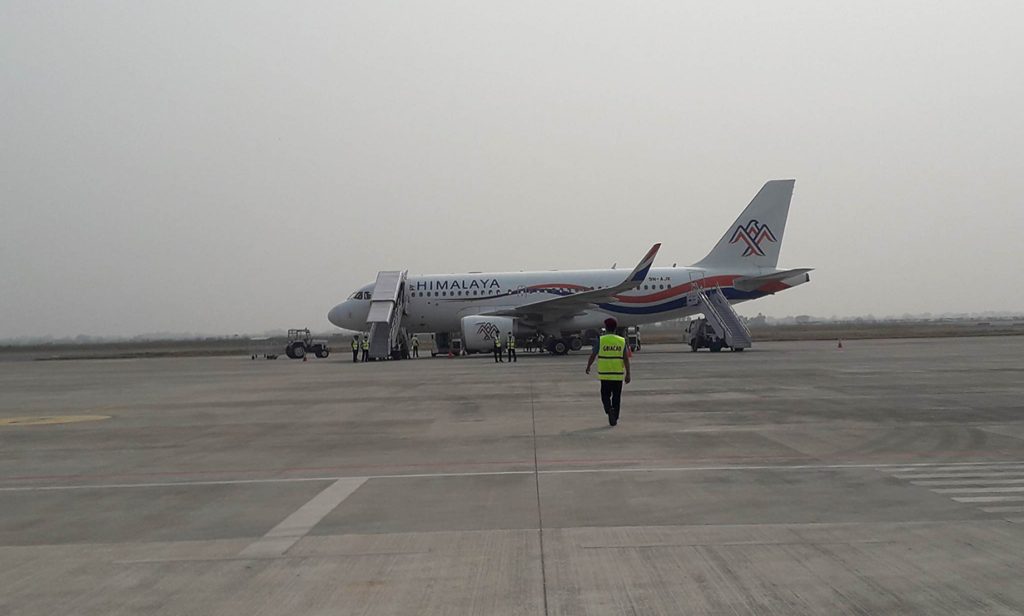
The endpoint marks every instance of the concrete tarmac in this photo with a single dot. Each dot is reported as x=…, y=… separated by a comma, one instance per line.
x=795, y=478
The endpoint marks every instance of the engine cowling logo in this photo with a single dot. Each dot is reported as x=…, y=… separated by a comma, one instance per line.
x=488, y=331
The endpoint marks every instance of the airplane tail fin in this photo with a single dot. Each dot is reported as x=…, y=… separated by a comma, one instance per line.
x=754, y=240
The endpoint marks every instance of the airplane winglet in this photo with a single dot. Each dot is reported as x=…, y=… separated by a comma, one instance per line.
x=639, y=272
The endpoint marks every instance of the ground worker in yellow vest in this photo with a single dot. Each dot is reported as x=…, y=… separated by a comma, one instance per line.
x=497, y=348
x=355, y=349
x=510, y=344
x=612, y=368
x=366, y=348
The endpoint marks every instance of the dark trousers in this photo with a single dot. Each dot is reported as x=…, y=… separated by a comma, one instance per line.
x=497, y=355
x=512, y=355
x=355, y=355
x=611, y=395
x=366, y=355
x=415, y=351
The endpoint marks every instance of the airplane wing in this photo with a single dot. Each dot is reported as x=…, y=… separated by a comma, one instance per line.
x=576, y=302
x=753, y=283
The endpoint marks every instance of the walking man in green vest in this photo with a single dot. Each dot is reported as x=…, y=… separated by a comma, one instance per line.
x=612, y=368
x=510, y=344
x=497, y=348
x=366, y=347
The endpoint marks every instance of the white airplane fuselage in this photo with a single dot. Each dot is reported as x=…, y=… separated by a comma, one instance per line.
x=743, y=265
x=437, y=303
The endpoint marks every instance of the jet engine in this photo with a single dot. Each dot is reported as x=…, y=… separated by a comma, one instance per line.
x=478, y=333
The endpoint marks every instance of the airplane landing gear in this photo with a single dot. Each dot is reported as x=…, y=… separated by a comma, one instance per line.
x=557, y=346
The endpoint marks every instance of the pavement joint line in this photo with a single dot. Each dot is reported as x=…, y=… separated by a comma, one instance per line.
x=287, y=533
x=939, y=483
x=540, y=510
x=322, y=556
x=988, y=466
x=1006, y=509
x=892, y=466
x=979, y=476
x=699, y=544
x=988, y=499
x=166, y=484
x=646, y=469
x=990, y=490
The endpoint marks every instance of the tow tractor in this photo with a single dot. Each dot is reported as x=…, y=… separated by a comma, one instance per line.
x=300, y=342
x=633, y=338
x=701, y=335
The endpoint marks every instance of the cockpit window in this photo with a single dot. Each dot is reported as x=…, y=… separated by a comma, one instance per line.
x=360, y=295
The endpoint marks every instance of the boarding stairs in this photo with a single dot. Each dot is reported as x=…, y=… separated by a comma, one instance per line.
x=723, y=318
x=387, y=307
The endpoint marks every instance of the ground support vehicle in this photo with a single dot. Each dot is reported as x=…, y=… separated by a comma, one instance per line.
x=701, y=335
x=633, y=339
x=300, y=342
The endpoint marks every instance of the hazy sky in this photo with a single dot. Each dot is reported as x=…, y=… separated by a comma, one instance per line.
x=231, y=167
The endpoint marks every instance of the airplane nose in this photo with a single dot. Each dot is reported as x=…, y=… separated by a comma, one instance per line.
x=337, y=315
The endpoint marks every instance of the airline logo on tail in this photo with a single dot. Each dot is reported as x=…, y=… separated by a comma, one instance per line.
x=753, y=235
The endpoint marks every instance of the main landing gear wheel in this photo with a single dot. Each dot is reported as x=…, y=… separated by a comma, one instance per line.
x=575, y=343
x=559, y=347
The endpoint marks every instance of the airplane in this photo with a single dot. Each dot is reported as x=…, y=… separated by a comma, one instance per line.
x=562, y=303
